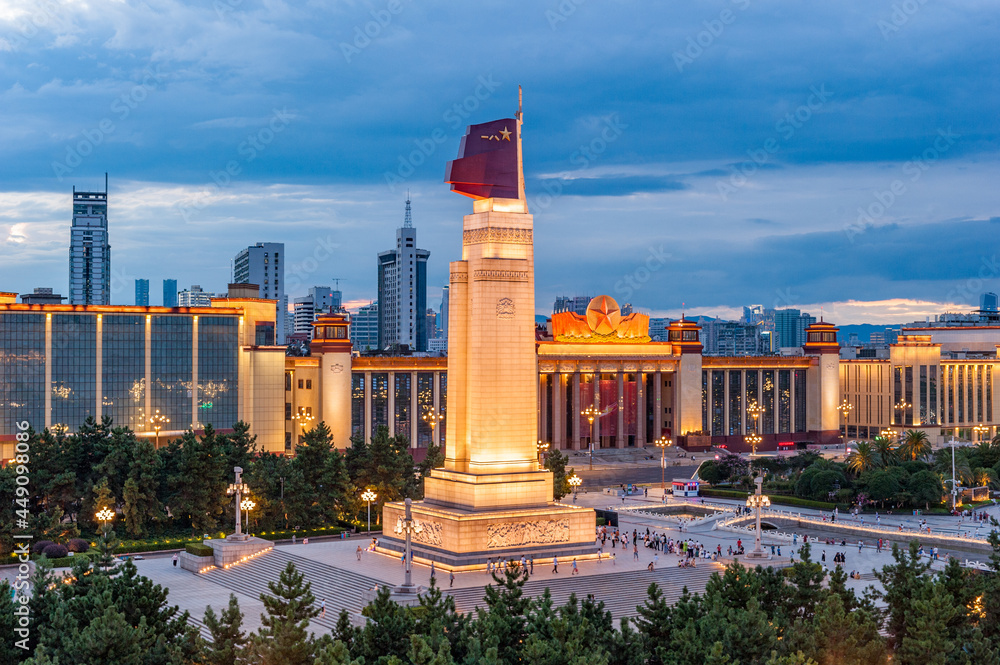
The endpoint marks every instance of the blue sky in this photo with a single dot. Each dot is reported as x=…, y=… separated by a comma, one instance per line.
x=716, y=154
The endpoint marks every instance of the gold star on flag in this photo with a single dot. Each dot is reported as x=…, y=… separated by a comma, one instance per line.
x=505, y=134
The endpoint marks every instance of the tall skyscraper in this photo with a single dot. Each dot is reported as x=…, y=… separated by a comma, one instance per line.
x=319, y=300
x=142, y=292
x=364, y=328
x=170, y=293
x=263, y=264
x=444, y=311
x=790, y=327
x=89, y=251
x=402, y=290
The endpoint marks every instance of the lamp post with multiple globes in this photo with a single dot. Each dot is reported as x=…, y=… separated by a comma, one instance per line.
x=902, y=406
x=543, y=448
x=575, y=481
x=845, y=409
x=105, y=515
x=755, y=411
x=369, y=496
x=663, y=443
x=247, y=505
x=758, y=501
x=157, y=421
x=432, y=418
x=591, y=413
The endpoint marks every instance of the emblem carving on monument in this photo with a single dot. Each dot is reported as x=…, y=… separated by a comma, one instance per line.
x=517, y=534
x=336, y=368
x=603, y=323
x=505, y=308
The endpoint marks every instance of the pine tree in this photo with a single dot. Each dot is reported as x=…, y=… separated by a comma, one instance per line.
x=324, y=474
x=925, y=638
x=200, y=481
x=283, y=638
x=901, y=582
x=387, y=632
x=228, y=641
x=335, y=652
x=504, y=621
x=141, y=503
x=654, y=626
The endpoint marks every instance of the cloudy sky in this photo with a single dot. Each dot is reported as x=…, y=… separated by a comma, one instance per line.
x=837, y=155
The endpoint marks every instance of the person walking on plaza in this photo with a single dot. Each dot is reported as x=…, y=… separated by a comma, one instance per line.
x=175, y=561
x=531, y=565
x=359, y=552
x=322, y=607
x=575, y=570
x=555, y=565
x=451, y=579
x=432, y=570
x=635, y=552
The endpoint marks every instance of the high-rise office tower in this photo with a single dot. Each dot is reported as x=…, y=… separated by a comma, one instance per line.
x=319, y=300
x=263, y=264
x=364, y=328
x=402, y=290
x=790, y=327
x=444, y=311
x=170, y=293
x=142, y=292
x=89, y=251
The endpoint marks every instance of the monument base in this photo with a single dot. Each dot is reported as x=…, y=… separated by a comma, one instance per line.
x=457, y=538
x=233, y=550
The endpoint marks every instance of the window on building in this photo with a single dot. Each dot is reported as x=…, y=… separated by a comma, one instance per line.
x=288, y=410
x=300, y=384
x=309, y=384
x=288, y=381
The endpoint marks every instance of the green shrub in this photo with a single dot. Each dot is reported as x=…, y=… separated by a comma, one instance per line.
x=775, y=499
x=198, y=549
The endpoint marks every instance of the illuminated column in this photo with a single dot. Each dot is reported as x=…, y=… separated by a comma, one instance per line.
x=48, y=369
x=436, y=393
x=640, y=411
x=658, y=405
x=621, y=438
x=392, y=404
x=577, y=404
x=457, y=430
x=194, y=372
x=558, y=418
x=543, y=406
x=368, y=407
x=149, y=371
x=414, y=415
x=100, y=368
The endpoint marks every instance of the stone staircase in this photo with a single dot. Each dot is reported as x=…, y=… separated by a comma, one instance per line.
x=340, y=588
x=621, y=591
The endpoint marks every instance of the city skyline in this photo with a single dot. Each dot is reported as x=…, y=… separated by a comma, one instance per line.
x=751, y=154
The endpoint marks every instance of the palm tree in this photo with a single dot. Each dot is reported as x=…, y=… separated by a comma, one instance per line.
x=984, y=477
x=862, y=458
x=915, y=445
x=884, y=451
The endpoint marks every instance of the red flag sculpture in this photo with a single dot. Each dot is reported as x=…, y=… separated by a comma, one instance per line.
x=487, y=162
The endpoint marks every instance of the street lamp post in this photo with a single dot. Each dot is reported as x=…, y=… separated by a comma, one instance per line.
x=247, y=505
x=902, y=406
x=409, y=526
x=980, y=431
x=954, y=481
x=158, y=421
x=542, y=449
x=238, y=488
x=758, y=501
x=575, y=481
x=303, y=417
x=105, y=515
x=663, y=443
x=845, y=409
x=755, y=410
x=591, y=413
x=432, y=418
x=369, y=496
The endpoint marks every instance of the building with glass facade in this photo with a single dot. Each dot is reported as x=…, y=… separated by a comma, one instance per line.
x=60, y=364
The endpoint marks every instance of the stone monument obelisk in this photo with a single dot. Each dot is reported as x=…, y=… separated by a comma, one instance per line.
x=491, y=499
